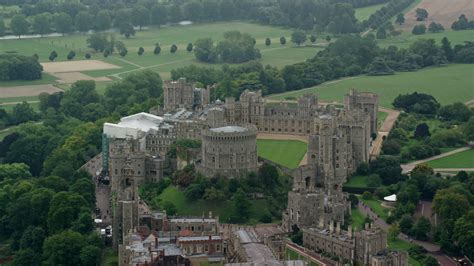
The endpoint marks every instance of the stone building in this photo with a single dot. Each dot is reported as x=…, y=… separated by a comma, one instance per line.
x=228, y=151
x=183, y=94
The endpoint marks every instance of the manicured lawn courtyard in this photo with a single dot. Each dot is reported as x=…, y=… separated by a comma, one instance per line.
x=463, y=159
x=198, y=208
x=287, y=153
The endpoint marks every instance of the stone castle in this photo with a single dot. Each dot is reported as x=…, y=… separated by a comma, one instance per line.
x=339, y=138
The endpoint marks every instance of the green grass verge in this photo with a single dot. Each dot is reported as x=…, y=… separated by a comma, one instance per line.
x=284, y=152
x=46, y=79
x=358, y=219
x=399, y=244
x=358, y=181
x=405, y=39
x=200, y=207
x=463, y=159
x=377, y=207
x=447, y=84
x=380, y=118
x=363, y=13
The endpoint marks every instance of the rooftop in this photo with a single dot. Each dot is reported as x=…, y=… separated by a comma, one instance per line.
x=229, y=129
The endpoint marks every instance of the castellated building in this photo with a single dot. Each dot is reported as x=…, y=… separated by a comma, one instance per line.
x=182, y=94
x=228, y=151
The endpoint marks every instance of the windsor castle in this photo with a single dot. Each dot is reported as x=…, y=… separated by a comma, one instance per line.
x=339, y=138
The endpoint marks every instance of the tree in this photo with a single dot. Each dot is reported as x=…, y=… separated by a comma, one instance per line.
x=158, y=14
x=455, y=112
x=298, y=37
x=422, y=131
x=23, y=112
x=421, y=14
x=27, y=257
x=63, y=248
x=268, y=175
x=87, y=56
x=282, y=40
x=400, y=19
x=462, y=23
x=406, y=224
x=62, y=23
x=33, y=238
x=421, y=228
x=157, y=49
x=429, y=261
x=173, y=48
x=98, y=42
x=19, y=25
x=90, y=255
x=84, y=21
x=102, y=20
x=140, y=50
x=313, y=39
x=2, y=27
x=41, y=24
x=241, y=206
x=381, y=33
x=391, y=147
x=387, y=167
x=328, y=38
x=71, y=55
x=464, y=233
x=189, y=48
x=204, y=50
x=169, y=207
x=435, y=27
x=448, y=50
x=379, y=67
x=123, y=52
x=140, y=16
x=53, y=55
x=419, y=29
x=268, y=42
x=393, y=231
x=127, y=30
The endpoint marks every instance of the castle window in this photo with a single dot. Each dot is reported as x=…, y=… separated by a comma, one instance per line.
x=116, y=171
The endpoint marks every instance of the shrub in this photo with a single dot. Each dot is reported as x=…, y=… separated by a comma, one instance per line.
x=88, y=56
x=282, y=40
x=419, y=29
x=71, y=55
x=173, y=48
x=268, y=41
x=140, y=51
x=157, y=49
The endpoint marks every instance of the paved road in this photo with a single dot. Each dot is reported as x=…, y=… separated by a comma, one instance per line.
x=433, y=249
x=409, y=166
x=384, y=129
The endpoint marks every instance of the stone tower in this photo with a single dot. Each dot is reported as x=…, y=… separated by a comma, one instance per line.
x=366, y=101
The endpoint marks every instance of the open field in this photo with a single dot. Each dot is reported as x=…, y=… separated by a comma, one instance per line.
x=406, y=38
x=24, y=91
x=441, y=11
x=288, y=153
x=274, y=54
x=463, y=159
x=453, y=83
x=363, y=13
x=46, y=79
x=199, y=207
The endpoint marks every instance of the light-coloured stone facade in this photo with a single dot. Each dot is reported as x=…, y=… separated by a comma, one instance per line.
x=182, y=94
x=229, y=151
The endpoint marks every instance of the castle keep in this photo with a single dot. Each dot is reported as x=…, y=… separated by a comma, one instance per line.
x=339, y=138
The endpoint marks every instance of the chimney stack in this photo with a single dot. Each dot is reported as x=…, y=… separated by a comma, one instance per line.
x=366, y=226
x=349, y=231
x=331, y=226
x=321, y=222
x=338, y=228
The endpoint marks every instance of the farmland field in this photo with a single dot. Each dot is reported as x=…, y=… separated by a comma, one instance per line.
x=284, y=152
x=463, y=159
x=453, y=83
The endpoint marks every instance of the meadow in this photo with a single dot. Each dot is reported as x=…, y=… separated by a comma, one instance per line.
x=463, y=159
x=363, y=13
x=406, y=38
x=448, y=84
x=287, y=153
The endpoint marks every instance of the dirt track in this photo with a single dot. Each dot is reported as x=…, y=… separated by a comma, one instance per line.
x=440, y=11
x=24, y=91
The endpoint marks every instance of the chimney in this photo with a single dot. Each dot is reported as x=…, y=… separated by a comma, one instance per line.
x=349, y=231
x=338, y=228
x=366, y=226
x=331, y=226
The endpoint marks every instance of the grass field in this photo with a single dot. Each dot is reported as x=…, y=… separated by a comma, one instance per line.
x=406, y=38
x=453, y=83
x=463, y=159
x=199, y=207
x=363, y=13
x=358, y=219
x=284, y=152
x=274, y=54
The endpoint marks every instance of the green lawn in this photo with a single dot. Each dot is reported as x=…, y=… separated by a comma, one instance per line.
x=363, y=13
x=453, y=83
x=406, y=38
x=380, y=118
x=399, y=244
x=358, y=219
x=377, y=207
x=46, y=79
x=275, y=54
x=284, y=152
x=463, y=159
x=357, y=181
x=201, y=207
x=109, y=257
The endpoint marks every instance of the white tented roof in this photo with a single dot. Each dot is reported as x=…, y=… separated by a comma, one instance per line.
x=392, y=198
x=229, y=129
x=133, y=125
